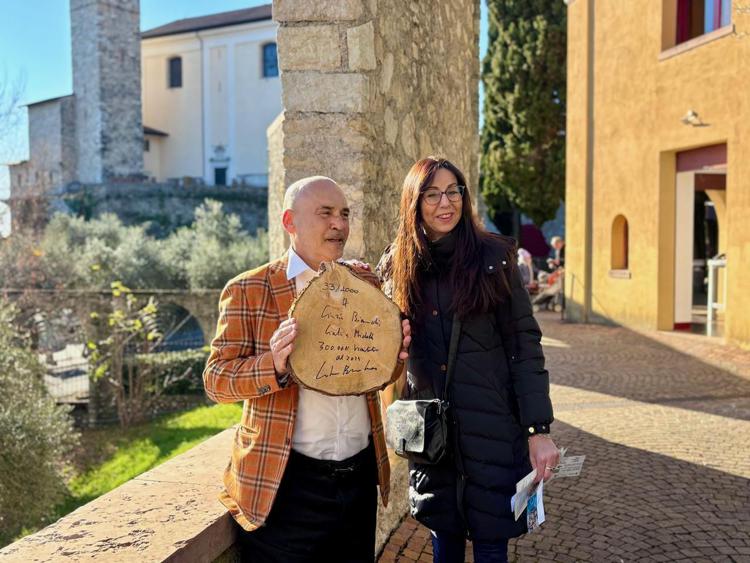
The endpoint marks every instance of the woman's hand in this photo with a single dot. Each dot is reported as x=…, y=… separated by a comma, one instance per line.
x=406, y=333
x=544, y=456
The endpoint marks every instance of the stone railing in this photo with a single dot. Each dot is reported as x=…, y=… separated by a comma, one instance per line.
x=170, y=513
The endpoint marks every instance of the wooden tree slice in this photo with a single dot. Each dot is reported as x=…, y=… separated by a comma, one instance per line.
x=348, y=334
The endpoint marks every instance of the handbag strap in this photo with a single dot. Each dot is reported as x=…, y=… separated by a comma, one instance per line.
x=452, y=352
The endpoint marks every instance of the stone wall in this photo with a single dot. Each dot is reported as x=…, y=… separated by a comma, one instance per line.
x=165, y=206
x=369, y=87
x=45, y=144
x=170, y=513
x=69, y=141
x=278, y=239
x=51, y=163
x=107, y=84
x=51, y=160
x=426, y=99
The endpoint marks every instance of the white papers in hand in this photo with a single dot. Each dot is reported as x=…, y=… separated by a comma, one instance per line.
x=524, y=489
x=535, y=508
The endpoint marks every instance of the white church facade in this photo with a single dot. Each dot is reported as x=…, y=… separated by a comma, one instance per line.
x=209, y=88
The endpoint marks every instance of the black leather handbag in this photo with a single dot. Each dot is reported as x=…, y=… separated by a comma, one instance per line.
x=418, y=429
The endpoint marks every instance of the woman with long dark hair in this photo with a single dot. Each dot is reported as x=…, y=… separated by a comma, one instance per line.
x=444, y=264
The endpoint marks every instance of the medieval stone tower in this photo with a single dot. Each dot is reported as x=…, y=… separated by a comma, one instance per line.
x=107, y=85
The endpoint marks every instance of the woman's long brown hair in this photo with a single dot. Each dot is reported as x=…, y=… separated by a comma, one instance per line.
x=472, y=290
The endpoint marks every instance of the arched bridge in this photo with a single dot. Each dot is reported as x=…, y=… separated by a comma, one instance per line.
x=201, y=304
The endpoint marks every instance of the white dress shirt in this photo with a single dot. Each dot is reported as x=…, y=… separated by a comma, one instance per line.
x=326, y=427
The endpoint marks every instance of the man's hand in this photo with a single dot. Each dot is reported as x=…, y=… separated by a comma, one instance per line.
x=406, y=330
x=282, y=342
x=544, y=456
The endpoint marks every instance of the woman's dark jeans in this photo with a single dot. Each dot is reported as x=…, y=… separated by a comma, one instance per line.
x=450, y=548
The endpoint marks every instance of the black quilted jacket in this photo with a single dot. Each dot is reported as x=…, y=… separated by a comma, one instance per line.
x=499, y=387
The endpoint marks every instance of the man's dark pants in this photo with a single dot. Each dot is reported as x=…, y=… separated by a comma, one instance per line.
x=323, y=511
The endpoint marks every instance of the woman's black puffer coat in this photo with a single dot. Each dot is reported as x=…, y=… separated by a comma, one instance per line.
x=499, y=387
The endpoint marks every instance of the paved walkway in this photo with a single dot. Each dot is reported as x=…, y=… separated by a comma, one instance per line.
x=664, y=421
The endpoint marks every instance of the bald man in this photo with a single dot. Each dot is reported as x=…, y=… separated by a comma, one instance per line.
x=303, y=476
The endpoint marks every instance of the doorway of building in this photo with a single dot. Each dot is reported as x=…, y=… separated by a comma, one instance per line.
x=705, y=248
x=699, y=218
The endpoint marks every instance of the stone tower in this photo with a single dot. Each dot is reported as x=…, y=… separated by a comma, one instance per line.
x=107, y=87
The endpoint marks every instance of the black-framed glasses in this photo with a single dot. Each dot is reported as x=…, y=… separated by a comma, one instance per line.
x=432, y=196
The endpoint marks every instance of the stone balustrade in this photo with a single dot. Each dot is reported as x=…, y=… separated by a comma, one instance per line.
x=170, y=513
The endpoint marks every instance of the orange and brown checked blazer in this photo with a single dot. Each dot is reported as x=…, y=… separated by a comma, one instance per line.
x=240, y=367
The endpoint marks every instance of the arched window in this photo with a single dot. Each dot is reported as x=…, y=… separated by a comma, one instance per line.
x=270, y=60
x=619, y=255
x=174, y=70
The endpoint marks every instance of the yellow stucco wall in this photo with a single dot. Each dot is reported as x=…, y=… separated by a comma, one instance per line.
x=576, y=159
x=638, y=102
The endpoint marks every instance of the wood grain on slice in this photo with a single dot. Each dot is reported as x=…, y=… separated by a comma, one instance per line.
x=349, y=334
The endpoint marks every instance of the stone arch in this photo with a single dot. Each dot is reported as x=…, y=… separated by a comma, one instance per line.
x=180, y=328
x=201, y=304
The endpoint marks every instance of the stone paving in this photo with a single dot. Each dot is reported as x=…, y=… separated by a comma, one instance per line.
x=664, y=422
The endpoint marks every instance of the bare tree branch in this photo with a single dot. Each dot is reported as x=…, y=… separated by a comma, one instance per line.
x=11, y=113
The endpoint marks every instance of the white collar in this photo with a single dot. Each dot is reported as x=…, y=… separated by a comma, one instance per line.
x=296, y=265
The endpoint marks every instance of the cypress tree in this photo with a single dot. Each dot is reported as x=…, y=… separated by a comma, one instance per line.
x=523, y=134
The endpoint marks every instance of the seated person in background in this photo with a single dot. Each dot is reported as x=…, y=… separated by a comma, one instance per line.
x=526, y=267
x=558, y=250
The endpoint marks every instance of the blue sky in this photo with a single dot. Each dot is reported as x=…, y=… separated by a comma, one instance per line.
x=35, y=50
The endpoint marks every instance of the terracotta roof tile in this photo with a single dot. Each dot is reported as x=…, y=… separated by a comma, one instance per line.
x=223, y=19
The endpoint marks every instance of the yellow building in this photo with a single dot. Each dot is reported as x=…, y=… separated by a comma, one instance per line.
x=658, y=163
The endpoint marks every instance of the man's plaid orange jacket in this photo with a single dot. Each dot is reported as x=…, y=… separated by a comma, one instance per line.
x=240, y=368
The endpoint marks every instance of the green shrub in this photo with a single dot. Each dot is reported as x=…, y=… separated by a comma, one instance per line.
x=214, y=249
x=181, y=372
x=76, y=253
x=21, y=262
x=105, y=250
x=36, y=436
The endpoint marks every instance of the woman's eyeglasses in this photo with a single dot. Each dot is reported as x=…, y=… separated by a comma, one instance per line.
x=432, y=196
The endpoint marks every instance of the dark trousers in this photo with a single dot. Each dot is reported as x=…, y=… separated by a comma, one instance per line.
x=323, y=511
x=449, y=548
